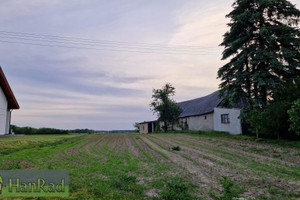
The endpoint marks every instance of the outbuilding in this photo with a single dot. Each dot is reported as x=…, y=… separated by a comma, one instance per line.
x=204, y=113
x=8, y=103
x=147, y=126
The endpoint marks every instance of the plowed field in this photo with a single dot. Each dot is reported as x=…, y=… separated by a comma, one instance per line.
x=161, y=166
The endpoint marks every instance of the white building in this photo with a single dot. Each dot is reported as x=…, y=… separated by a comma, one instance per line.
x=8, y=102
x=205, y=114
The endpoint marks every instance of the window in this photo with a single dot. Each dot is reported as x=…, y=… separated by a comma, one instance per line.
x=225, y=119
x=205, y=117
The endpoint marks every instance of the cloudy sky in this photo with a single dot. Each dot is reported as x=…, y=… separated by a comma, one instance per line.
x=100, y=60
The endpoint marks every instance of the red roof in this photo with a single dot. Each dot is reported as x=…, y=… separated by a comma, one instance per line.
x=11, y=99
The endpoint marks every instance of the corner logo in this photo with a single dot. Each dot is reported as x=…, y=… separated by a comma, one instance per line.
x=1, y=184
x=34, y=183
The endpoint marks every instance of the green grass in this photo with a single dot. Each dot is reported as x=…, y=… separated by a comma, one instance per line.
x=230, y=190
x=176, y=188
x=101, y=169
x=257, y=150
x=13, y=144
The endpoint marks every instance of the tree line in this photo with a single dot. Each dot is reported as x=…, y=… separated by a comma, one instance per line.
x=37, y=131
x=46, y=131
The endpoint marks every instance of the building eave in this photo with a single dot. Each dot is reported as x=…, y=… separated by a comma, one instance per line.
x=11, y=99
x=196, y=115
x=145, y=122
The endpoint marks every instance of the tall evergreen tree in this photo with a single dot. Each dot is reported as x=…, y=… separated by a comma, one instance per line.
x=263, y=45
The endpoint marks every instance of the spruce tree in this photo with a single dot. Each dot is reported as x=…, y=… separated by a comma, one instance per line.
x=263, y=46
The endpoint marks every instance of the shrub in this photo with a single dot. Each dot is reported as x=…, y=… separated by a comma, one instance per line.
x=294, y=114
x=274, y=120
x=176, y=148
x=270, y=122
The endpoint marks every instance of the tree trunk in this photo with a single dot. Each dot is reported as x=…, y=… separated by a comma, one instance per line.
x=256, y=132
x=165, y=126
x=248, y=88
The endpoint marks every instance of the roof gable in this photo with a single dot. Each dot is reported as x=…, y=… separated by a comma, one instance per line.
x=200, y=106
x=12, y=101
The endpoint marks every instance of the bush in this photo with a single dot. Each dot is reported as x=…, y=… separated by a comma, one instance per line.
x=274, y=120
x=294, y=114
x=270, y=122
x=176, y=148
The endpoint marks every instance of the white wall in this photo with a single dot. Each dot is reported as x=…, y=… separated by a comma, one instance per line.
x=8, y=121
x=203, y=122
x=3, y=113
x=144, y=128
x=234, y=127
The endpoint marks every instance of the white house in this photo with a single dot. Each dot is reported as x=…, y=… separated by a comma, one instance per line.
x=8, y=102
x=205, y=114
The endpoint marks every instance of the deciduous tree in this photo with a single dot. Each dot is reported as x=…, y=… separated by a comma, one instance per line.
x=166, y=108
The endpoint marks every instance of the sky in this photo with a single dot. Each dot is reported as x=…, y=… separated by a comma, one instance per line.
x=67, y=86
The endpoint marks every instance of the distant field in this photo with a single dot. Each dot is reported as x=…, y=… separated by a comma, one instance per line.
x=161, y=166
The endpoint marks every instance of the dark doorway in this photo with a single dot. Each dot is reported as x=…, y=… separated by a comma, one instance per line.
x=150, y=128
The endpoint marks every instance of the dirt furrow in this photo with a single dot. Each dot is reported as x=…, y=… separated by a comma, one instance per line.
x=73, y=153
x=91, y=142
x=242, y=161
x=240, y=176
x=239, y=153
x=200, y=178
x=113, y=142
x=74, y=150
x=148, y=150
x=214, y=166
x=121, y=146
x=103, y=142
x=133, y=149
x=209, y=157
x=264, y=152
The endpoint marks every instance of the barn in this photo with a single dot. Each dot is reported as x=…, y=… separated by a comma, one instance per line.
x=204, y=113
x=8, y=103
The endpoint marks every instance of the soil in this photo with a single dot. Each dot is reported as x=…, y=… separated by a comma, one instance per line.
x=148, y=150
x=198, y=171
x=196, y=150
x=133, y=149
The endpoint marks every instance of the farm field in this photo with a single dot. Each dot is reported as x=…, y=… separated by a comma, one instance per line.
x=161, y=166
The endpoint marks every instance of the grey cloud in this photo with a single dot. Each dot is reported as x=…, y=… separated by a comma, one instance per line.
x=57, y=74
